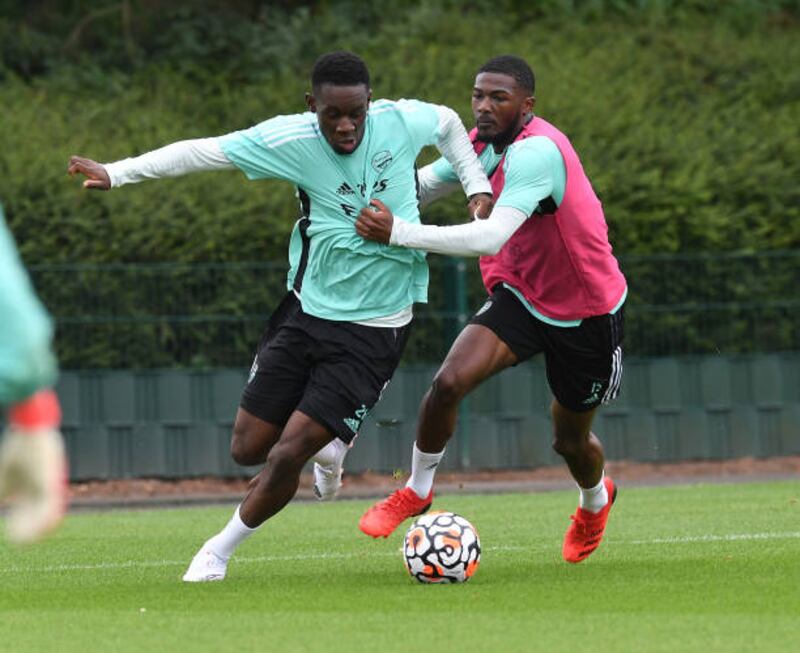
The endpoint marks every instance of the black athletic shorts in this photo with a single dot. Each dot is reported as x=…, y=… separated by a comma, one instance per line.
x=334, y=372
x=584, y=363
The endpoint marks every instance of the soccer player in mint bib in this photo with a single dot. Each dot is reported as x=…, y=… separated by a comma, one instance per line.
x=33, y=463
x=334, y=342
x=555, y=288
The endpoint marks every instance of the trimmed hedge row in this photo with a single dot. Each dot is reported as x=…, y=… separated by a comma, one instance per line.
x=687, y=121
x=690, y=133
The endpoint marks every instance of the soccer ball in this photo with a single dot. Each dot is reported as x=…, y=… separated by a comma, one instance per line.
x=442, y=547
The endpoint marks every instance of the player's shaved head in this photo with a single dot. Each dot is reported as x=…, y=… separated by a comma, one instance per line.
x=339, y=68
x=516, y=67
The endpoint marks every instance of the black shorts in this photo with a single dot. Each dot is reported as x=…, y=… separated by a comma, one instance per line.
x=334, y=372
x=584, y=363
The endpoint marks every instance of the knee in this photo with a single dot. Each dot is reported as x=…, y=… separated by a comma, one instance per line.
x=572, y=431
x=573, y=442
x=448, y=387
x=564, y=447
x=242, y=455
x=246, y=449
x=283, y=461
x=567, y=442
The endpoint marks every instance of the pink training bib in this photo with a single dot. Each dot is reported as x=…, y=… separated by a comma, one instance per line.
x=561, y=262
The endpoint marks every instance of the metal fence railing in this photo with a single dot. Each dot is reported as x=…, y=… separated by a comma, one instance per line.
x=713, y=303
x=205, y=315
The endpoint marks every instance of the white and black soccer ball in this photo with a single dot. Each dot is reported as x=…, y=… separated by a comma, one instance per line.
x=442, y=547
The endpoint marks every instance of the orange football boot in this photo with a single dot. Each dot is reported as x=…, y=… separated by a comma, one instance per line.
x=382, y=518
x=586, y=530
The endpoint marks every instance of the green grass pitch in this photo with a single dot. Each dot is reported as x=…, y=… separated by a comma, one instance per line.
x=685, y=568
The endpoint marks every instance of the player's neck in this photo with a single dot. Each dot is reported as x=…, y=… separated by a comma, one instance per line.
x=504, y=140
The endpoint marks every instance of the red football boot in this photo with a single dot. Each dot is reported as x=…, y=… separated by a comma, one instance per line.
x=382, y=518
x=586, y=530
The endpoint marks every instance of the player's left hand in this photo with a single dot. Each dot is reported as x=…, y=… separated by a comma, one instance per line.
x=480, y=206
x=375, y=222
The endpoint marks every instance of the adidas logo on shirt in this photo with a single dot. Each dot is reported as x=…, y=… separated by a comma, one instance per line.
x=345, y=189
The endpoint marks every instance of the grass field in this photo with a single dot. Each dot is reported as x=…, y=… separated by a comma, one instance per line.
x=689, y=568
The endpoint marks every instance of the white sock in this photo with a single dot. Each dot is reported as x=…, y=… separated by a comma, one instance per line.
x=594, y=499
x=332, y=454
x=423, y=469
x=224, y=543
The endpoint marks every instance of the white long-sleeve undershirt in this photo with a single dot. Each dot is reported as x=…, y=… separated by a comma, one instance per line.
x=455, y=146
x=476, y=238
x=173, y=160
x=203, y=154
x=432, y=188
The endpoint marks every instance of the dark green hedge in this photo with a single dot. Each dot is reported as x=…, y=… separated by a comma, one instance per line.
x=686, y=115
x=687, y=120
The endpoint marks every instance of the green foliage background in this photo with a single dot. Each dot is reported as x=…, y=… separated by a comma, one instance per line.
x=686, y=114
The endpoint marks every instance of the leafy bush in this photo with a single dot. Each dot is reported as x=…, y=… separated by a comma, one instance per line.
x=688, y=128
x=687, y=120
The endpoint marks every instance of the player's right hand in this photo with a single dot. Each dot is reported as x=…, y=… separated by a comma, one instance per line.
x=375, y=222
x=480, y=206
x=96, y=176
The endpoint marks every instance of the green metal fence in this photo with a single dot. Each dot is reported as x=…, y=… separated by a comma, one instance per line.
x=177, y=423
x=155, y=357
x=210, y=315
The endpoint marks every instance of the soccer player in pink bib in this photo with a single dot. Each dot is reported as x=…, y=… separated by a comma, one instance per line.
x=554, y=288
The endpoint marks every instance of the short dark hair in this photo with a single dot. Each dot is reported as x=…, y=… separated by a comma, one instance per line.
x=516, y=67
x=339, y=68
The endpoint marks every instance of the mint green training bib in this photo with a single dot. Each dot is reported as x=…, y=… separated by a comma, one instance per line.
x=340, y=275
x=26, y=360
